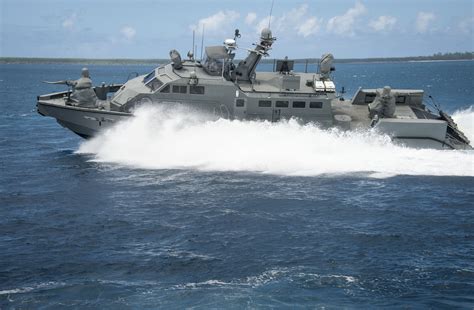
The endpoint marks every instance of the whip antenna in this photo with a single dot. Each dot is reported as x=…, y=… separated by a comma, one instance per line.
x=202, y=40
x=194, y=50
x=270, y=19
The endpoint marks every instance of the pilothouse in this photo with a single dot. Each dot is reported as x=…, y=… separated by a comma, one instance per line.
x=234, y=89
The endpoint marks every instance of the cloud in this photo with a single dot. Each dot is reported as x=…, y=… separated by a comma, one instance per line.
x=344, y=24
x=383, y=23
x=251, y=17
x=296, y=20
x=216, y=22
x=309, y=27
x=467, y=25
x=423, y=21
x=70, y=22
x=128, y=32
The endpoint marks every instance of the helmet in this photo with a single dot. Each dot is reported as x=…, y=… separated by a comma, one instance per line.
x=85, y=72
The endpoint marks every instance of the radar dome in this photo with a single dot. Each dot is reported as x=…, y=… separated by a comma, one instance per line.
x=325, y=64
x=266, y=34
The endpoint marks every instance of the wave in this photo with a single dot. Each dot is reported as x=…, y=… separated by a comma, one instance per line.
x=296, y=274
x=33, y=288
x=465, y=121
x=174, y=137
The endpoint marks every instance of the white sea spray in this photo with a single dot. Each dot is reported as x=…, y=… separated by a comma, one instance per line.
x=163, y=137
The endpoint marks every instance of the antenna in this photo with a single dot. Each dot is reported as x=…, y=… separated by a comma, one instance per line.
x=202, y=40
x=194, y=51
x=270, y=19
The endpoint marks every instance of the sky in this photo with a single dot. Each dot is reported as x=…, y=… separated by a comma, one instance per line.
x=151, y=28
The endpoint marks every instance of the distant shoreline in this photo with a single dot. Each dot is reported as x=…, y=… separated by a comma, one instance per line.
x=467, y=56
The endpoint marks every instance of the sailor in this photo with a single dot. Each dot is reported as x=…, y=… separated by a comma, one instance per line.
x=83, y=93
x=383, y=105
x=284, y=66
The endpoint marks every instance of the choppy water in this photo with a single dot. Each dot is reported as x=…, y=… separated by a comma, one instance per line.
x=171, y=210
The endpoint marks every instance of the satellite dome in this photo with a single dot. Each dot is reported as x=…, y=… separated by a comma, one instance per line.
x=325, y=65
x=266, y=34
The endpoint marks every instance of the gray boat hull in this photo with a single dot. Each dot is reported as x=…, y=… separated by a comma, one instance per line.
x=85, y=122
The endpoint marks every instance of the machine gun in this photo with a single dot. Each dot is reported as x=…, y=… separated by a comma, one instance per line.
x=65, y=82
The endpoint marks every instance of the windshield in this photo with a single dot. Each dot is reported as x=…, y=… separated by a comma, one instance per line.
x=213, y=66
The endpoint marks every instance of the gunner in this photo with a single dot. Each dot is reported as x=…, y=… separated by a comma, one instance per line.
x=383, y=105
x=284, y=66
x=82, y=92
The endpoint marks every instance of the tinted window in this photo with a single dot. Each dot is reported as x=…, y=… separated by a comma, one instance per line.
x=281, y=104
x=239, y=102
x=149, y=76
x=165, y=89
x=299, y=104
x=316, y=105
x=369, y=98
x=265, y=104
x=154, y=84
x=197, y=90
x=182, y=89
x=401, y=99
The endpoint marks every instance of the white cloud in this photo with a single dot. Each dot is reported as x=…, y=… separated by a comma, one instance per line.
x=467, y=25
x=309, y=27
x=296, y=20
x=70, y=22
x=264, y=24
x=344, y=24
x=251, y=17
x=383, y=23
x=216, y=22
x=423, y=21
x=128, y=32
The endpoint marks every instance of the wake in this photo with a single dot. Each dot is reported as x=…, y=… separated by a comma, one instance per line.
x=164, y=137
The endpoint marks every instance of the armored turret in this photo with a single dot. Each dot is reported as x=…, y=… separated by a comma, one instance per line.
x=245, y=71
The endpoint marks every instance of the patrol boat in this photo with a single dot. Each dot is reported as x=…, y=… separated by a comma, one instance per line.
x=218, y=84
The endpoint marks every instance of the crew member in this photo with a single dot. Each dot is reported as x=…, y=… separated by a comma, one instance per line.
x=82, y=92
x=383, y=105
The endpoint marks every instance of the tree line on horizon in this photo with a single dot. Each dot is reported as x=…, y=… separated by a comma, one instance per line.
x=436, y=56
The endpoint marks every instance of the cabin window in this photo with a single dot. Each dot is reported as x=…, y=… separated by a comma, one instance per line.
x=165, y=89
x=239, y=103
x=281, y=104
x=196, y=90
x=401, y=99
x=265, y=104
x=299, y=104
x=148, y=77
x=316, y=105
x=369, y=98
x=180, y=89
x=154, y=84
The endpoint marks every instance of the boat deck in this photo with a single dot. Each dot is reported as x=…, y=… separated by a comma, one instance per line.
x=360, y=114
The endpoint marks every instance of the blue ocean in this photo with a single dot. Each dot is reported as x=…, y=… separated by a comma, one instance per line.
x=171, y=211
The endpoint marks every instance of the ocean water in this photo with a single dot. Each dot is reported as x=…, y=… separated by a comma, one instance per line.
x=176, y=210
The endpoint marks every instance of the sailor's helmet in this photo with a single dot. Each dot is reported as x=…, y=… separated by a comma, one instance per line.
x=85, y=72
